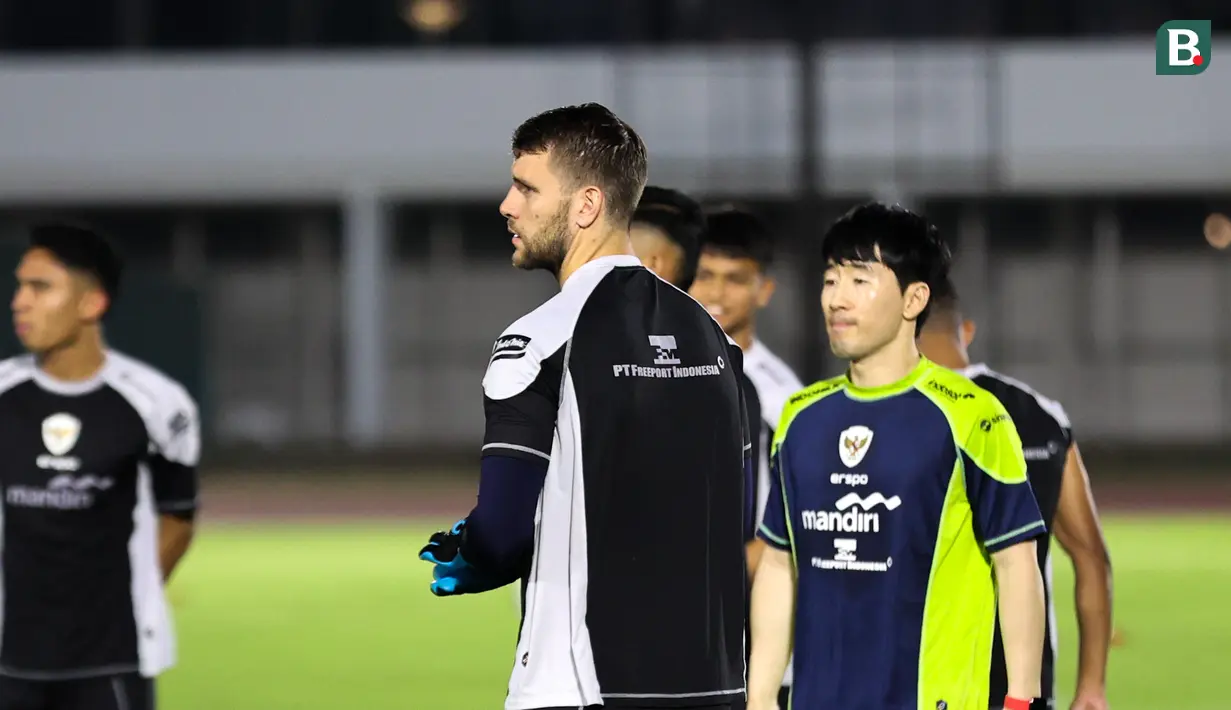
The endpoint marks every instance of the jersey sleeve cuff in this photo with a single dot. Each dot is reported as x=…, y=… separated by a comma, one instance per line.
x=772, y=539
x=1013, y=537
x=516, y=451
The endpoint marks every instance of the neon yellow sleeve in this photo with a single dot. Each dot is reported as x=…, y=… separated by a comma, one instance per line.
x=1005, y=510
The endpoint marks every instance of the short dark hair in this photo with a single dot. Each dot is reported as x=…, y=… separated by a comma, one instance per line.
x=945, y=301
x=680, y=218
x=593, y=146
x=905, y=242
x=740, y=234
x=83, y=249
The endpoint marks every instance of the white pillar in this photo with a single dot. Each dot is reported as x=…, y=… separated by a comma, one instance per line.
x=365, y=255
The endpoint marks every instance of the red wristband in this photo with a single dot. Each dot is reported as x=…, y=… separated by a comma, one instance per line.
x=1012, y=703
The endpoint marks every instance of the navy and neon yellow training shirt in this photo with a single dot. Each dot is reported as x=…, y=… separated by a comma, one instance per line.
x=891, y=501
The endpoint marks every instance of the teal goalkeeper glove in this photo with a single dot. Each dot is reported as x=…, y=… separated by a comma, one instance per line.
x=451, y=573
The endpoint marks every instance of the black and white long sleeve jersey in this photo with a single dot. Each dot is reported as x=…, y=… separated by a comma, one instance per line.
x=636, y=591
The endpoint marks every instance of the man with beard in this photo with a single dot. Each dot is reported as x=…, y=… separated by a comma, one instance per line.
x=614, y=453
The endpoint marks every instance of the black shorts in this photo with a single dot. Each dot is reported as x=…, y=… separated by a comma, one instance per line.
x=784, y=697
x=127, y=691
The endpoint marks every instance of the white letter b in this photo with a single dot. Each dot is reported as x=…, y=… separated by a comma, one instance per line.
x=1181, y=40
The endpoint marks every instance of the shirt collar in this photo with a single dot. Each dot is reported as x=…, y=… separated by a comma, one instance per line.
x=614, y=261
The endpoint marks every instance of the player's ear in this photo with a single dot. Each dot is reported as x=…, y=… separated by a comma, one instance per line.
x=768, y=285
x=915, y=299
x=589, y=206
x=93, y=304
x=967, y=332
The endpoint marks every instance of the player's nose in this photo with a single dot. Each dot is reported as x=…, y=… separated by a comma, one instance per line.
x=837, y=306
x=507, y=206
x=21, y=301
x=840, y=297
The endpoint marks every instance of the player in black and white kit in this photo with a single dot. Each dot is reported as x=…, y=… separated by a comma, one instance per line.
x=614, y=452
x=1062, y=488
x=666, y=234
x=98, y=456
x=734, y=283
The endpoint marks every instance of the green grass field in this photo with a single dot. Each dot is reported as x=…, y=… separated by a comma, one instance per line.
x=339, y=617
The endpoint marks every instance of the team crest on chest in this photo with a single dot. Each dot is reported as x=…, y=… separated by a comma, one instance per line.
x=853, y=444
x=60, y=432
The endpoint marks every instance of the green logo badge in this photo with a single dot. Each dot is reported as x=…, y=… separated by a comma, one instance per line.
x=1182, y=47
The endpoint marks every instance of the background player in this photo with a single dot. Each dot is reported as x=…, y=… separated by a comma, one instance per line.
x=1061, y=487
x=665, y=232
x=614, y=406
x=98, y=456
x=893, y=485
x=734, y=284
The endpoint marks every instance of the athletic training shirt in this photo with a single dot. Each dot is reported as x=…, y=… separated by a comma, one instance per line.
x=773, y=383
x=1046, y=437
x=891, y=500
x=86, y=469
x=630, y=393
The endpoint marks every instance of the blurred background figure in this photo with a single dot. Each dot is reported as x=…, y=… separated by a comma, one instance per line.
x=304, y=191
x=666, y=233
x=99, y=468
x=734, y=284
x=1061, y=486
